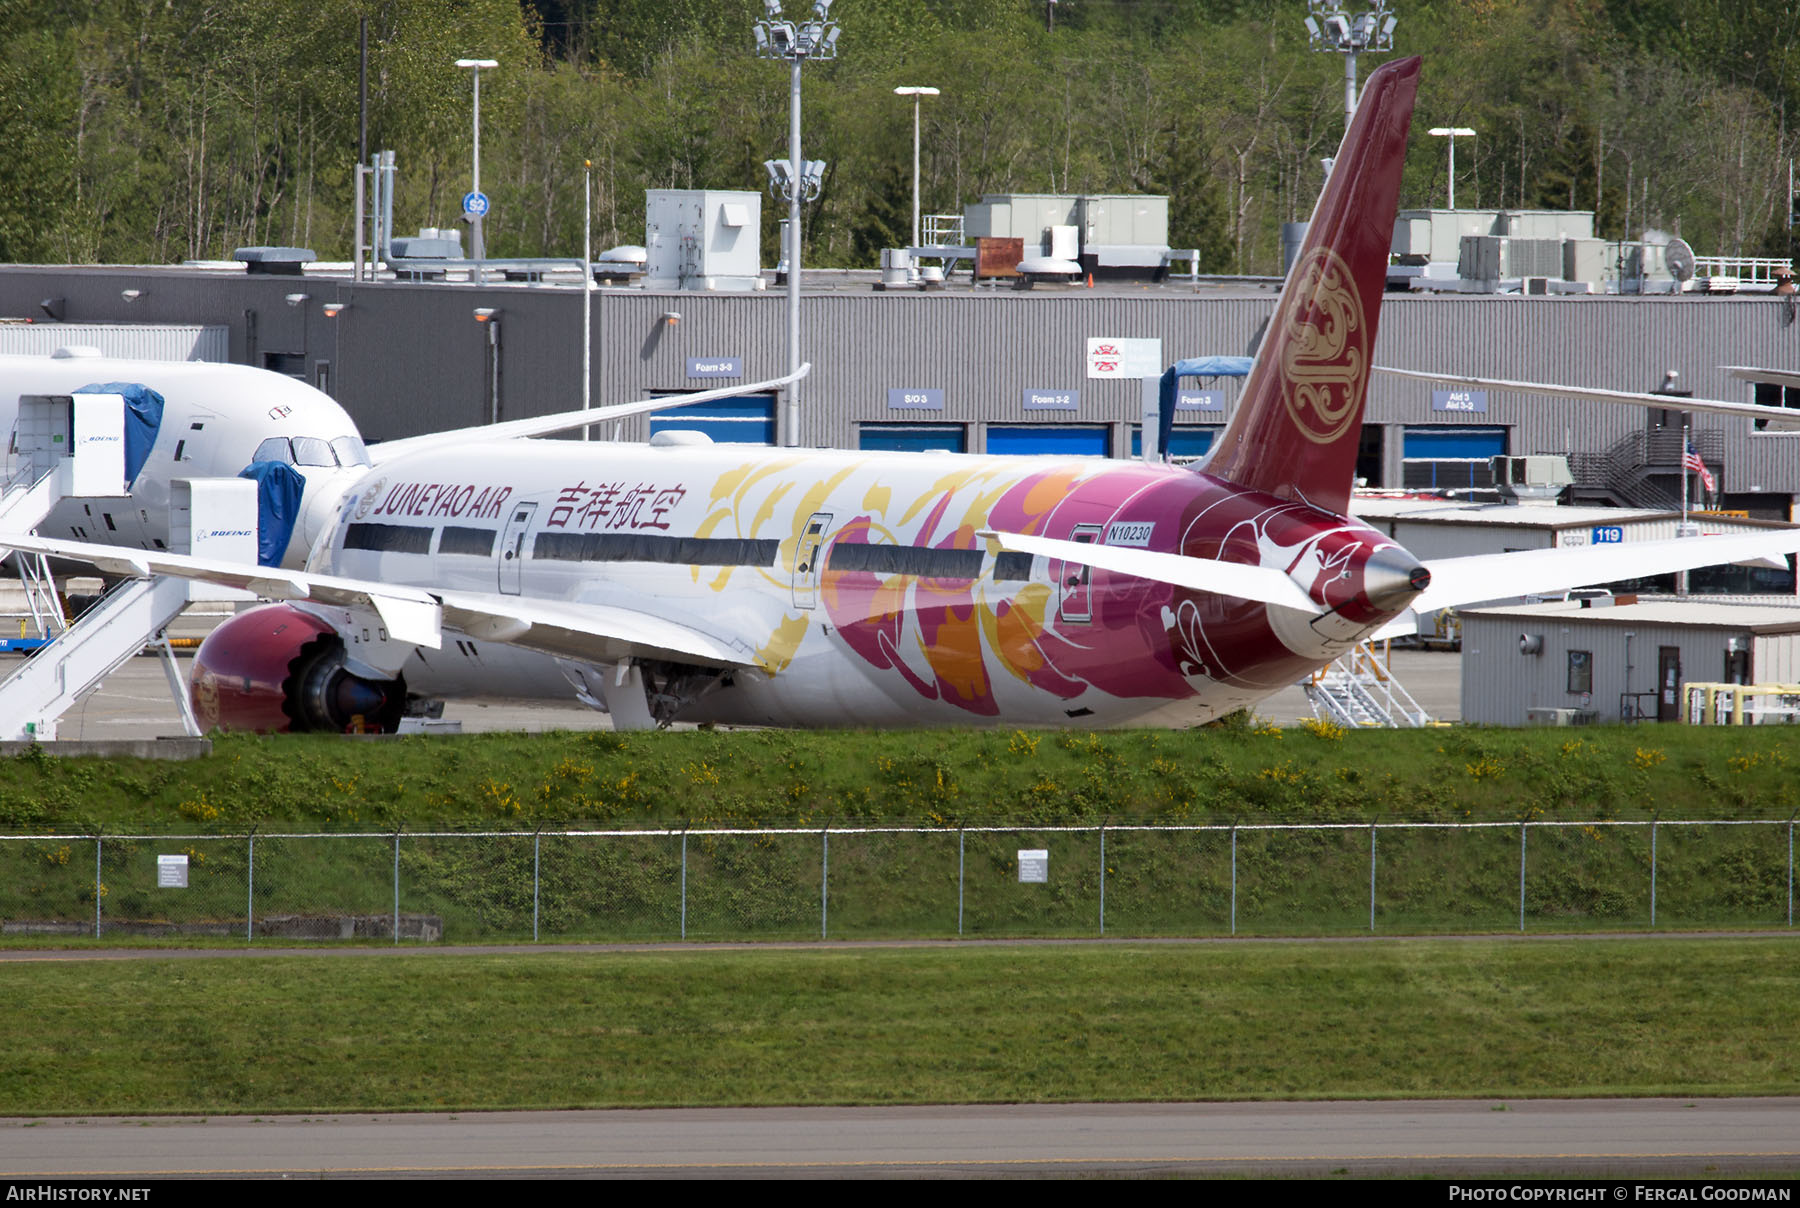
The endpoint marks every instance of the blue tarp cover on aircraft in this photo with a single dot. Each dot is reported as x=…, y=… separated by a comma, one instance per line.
x=143, y=418
x=278, y=490
x=1191, y=367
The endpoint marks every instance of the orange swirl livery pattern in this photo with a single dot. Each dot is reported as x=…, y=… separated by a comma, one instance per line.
x=1326, y=358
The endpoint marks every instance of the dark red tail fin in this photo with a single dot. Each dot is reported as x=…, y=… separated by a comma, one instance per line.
x=1299, y=420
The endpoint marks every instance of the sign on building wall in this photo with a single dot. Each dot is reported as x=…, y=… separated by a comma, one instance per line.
x=715, y=367
x=1114, y=358
x=1039, y=399
x=1470, y=401
x=1199, y=400
x=915, y=399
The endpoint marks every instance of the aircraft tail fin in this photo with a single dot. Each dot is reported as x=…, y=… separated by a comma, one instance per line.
x=1299, y=421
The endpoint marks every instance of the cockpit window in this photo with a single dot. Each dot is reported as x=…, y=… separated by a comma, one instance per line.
x=276, y=448
x=311, y=451
x=351, y=451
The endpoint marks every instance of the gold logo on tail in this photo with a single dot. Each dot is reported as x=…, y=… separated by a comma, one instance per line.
x=1326, y=355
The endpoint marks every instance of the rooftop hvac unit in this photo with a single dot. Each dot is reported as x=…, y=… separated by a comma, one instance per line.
x=702, y=239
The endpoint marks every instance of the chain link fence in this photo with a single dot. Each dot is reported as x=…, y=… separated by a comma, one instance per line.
x=880, y=882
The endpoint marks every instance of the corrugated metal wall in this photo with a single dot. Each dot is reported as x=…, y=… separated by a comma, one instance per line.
x=405, y=358
x=1500, y=685
x=134, y=342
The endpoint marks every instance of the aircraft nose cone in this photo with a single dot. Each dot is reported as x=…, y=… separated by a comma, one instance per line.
x=1392, y=578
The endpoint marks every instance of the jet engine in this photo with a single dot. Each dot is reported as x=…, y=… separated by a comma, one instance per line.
x=279, y=669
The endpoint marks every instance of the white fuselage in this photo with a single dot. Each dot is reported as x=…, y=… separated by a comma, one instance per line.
x=769, y=550
x=216, y=419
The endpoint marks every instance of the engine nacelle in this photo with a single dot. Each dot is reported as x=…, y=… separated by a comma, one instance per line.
x=278, y=669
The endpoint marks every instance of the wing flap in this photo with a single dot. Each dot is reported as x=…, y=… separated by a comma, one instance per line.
x=588, y=633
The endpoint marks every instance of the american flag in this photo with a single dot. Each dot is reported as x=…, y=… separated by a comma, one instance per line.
x=1691, y=464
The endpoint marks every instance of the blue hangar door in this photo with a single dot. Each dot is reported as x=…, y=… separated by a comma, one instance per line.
x=1063, y=440
x=745, y=419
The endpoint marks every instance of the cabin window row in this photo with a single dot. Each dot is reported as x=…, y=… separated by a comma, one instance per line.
x=689, y=551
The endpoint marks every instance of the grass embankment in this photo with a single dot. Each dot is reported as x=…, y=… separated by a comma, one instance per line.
x=426, y=1032
x=768, y=886
x=701, y=778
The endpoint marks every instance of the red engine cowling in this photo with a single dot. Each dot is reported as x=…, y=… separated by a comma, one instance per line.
x=277, y=669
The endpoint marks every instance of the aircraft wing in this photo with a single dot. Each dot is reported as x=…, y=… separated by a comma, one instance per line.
x=568, y=421
x=1770, y=377
x=1628, y=398
x=1470, y=580
x=417, y=617
x=1260, y=583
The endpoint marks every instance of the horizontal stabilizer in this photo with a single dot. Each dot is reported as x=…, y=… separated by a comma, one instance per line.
x=1480, y=577
x=569, y=421
x=1259, y=583
x=1627, y=398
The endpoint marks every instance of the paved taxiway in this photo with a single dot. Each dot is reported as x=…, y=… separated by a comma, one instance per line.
x=1589, y=1138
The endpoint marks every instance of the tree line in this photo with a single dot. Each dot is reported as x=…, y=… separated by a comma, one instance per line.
x=163, y=130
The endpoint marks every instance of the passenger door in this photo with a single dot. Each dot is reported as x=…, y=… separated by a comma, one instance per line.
x=512, y=547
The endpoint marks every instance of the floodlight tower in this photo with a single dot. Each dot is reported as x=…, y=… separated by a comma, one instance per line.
x=1331, y=26
x=796, y=179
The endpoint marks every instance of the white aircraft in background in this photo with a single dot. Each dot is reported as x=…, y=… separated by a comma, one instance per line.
x=683, y=580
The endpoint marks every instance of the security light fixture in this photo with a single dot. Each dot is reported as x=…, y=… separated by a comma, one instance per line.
x=486, y=314
x=1339, y=27
x=297, y=299
x=671, y=317
x=334, y=309
x=778, y=38
x=131, y=295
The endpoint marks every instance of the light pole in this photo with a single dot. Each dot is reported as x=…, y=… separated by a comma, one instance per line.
x=1452, y=133
x=1331, y=27
x=475, y=205
x=777, y=38
x=587, y=290
x=915, y=93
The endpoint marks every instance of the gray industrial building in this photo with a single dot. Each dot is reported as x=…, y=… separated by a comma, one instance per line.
x=1608, y=660
x=982, y=368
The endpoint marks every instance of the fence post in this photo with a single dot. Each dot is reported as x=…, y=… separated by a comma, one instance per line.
x=1103, y=878
x=1653, y=872
x=824, y=876
x=537, y=840
x=1371, y=876
x=98, y=887
x=959, y=879
x=684, y=884
x=1521, y=877
x=396, y=888
x=1791, y=869
x=250, y=908
x=1234, y=878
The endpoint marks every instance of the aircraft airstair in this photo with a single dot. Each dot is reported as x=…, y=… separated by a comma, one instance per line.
x=1359, y=690
x=73, y=446
x=129, y=617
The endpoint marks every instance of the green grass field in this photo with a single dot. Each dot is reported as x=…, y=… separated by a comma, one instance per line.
x=942, y=778
x=1383, y=1019
x=767, y=886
